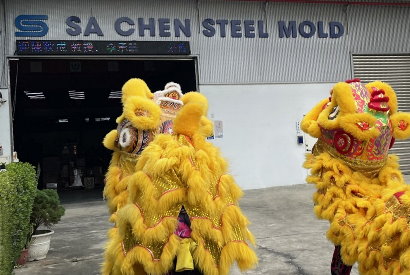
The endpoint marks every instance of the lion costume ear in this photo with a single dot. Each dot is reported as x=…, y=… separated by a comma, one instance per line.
x=342, y=102
x=138, y=106
x=401, y=125
x=143, y=113
x=188, y=119
x=309, y=123
x=135, y=87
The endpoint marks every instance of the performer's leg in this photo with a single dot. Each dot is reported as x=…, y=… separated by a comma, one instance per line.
x=338, y=267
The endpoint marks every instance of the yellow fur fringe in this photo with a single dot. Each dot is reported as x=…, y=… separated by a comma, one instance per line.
x=206, y=127
x=174, y=171
x=350, y=122
x=364, y=215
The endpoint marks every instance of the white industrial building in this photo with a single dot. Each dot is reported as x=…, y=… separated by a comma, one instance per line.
x=262, y=65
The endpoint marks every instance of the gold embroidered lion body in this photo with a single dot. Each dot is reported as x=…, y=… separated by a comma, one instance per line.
x=360, y=192
x=175, y=170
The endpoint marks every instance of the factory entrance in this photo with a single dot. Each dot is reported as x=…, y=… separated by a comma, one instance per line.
x=63, y=107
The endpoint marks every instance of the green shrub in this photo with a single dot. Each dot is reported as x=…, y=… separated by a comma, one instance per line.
x=47, y=209
x=7, y=195
x=17, y=189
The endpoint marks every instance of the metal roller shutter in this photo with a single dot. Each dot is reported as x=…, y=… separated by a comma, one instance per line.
x=395, y=70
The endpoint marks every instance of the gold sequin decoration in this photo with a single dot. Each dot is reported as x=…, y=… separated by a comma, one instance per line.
x=213, y=249
x=167, y=182
x=155, y=248
x=229, y=200
x=127, y=162
x=213, y=186
x=195, y=212
x=397, y=209
x=129, y=240
x=164, y=184
x=237, y=232
x=152, y=219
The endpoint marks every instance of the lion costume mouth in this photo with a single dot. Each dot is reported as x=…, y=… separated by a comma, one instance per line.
x=378, y=100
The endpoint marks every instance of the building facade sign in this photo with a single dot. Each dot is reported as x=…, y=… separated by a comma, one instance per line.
x=36, y=26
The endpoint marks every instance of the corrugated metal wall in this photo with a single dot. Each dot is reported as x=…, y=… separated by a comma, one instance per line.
x=379, y=29
x=221, y=60
x=3, y=66
x=368, y=29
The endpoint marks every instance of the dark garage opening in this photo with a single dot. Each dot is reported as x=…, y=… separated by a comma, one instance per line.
x=63, y=108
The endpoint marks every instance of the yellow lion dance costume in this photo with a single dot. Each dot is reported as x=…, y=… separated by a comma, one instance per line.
x=360, y=188
x=162, y=165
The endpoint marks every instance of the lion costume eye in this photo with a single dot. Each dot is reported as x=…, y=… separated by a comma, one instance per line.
x=125, y=138
x=333, y=114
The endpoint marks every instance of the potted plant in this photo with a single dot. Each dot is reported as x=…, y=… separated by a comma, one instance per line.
x=46, y=212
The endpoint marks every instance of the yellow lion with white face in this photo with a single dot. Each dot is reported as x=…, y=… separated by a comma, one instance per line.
x=360, y=188
x=163, y=166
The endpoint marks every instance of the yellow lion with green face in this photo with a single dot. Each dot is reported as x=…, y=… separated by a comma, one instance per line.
x=360, y=188
x=163, y=166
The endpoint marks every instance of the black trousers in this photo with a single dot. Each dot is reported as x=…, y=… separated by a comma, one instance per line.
x=338, y=267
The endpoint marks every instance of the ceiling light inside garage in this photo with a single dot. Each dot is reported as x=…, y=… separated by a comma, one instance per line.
x=35, y=95
x=115, y=94
x=76, y=94
x=99, y=119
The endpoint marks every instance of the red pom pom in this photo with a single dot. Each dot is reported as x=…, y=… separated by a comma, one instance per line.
x=353, y=80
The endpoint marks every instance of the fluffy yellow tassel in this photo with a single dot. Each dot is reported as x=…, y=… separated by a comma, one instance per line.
x=240, y=252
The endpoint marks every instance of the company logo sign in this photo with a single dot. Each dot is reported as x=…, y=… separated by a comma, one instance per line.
x=36, y=26
x=31, y=25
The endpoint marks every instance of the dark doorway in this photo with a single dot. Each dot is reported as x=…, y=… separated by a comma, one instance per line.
x=63, y=108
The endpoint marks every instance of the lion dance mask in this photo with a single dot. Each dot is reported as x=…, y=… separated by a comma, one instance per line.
x=360, y=188
x=163, y=170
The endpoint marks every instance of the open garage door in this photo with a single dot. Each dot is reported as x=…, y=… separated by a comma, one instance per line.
x=62, y=109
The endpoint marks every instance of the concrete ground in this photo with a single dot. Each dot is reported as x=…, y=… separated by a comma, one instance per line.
x=290, y=240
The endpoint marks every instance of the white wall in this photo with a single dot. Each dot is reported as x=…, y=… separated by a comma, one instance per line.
x=5, y=141
x=259, y=123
